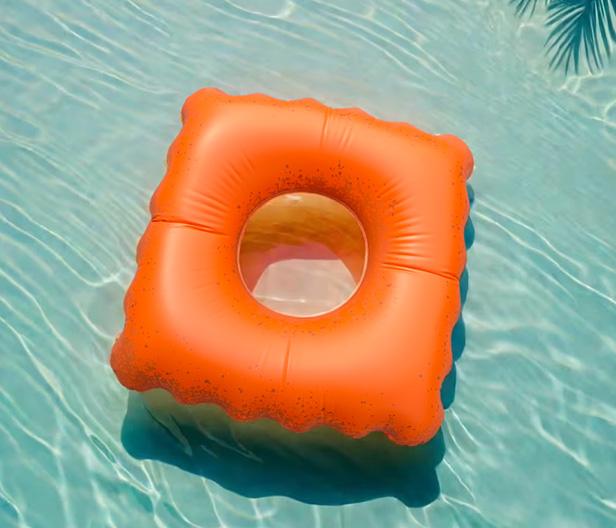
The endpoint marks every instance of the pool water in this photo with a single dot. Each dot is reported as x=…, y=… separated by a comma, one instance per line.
x=90, y=93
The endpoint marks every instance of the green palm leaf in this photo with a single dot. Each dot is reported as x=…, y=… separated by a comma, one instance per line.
x=522, y=7
x=580, y=26
x=579, y=29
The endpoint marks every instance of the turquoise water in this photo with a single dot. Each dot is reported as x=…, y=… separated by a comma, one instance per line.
x=90, y=92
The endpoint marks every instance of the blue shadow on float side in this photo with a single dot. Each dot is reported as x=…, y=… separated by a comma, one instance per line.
x=262, y=459
x=458, y=334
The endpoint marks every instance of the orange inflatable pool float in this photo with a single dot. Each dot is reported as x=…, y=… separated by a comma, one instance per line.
x=374, y=363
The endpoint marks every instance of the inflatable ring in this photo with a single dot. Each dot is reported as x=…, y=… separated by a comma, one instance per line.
x=377, y=362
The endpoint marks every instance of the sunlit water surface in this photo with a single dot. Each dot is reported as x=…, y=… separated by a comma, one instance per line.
x=90, y=92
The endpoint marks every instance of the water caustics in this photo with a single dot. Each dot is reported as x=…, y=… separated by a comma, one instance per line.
x=90, y=93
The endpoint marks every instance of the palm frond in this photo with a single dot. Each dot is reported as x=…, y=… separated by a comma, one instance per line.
x=523, y=7
x=580, y=26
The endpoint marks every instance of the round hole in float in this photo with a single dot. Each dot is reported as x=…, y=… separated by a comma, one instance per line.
x=302, y=254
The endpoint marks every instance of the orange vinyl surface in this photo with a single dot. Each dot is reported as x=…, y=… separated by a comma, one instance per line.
x=375, y=363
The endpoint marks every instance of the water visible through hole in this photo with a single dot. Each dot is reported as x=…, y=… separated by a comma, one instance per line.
x=302, y=254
